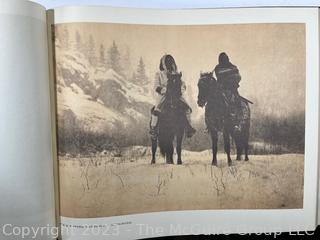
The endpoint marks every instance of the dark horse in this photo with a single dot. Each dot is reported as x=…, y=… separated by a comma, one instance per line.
x=218, y=118
x=172, y=122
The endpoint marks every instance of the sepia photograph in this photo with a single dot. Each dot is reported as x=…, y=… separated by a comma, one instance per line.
x=156, y=118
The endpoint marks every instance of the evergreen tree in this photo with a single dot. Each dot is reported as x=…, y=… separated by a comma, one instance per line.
x=91, y=51
x=78, y=41
x=126, y=63
x=102, y=59
x=64, y=38
x=141, y=77
x=114, y=59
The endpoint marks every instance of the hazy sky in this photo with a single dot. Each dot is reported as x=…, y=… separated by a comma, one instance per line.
x=270, y=57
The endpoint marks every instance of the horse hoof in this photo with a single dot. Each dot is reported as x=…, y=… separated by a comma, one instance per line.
x=153, y=161
x=229, y=163
x=246, y=159
x=238, y=159
x=214, y=163
x=179, y=162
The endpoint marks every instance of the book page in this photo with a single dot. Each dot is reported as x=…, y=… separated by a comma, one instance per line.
x=186, y=121
x=318, y=210
x=27, y=195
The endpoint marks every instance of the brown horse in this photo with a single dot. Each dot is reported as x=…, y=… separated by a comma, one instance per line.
x=172, y=122
x=218, y=118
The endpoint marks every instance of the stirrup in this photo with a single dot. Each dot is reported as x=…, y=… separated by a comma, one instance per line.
x=156, y=112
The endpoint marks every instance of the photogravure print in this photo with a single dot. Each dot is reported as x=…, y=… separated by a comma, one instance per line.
x=165, y=118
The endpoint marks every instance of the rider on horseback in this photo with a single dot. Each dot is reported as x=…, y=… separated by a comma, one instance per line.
x=228, y=78
x=168, y=69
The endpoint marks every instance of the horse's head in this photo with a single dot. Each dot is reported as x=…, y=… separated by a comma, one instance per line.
x=205, y=84
x=174, y=85
x=173, y=92
x=174, y=82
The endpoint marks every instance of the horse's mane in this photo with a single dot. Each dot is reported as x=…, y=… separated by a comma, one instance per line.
x=206, y=75
x=174, y=85
x=208, y=82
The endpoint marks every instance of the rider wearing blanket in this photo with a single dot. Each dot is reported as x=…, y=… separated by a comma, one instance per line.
x=228, y=78
x=168, y=69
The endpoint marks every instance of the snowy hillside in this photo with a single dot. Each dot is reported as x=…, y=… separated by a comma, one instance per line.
x=98, y=97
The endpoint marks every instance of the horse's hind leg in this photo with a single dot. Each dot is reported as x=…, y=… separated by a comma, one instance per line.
x=214, y=142
x=226, y=139
x=246, y=152
x=178, y=148
x=246, y=147
x=154, y=150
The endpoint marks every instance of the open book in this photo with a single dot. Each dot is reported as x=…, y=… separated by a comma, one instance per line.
x=136, y=123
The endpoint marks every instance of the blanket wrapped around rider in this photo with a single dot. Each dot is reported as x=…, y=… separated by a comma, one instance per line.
x=227, y=74
x=168, y=82
x=228, y=78
x=168, y=73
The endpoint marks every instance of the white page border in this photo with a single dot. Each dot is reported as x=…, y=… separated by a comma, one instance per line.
x=222, y=220
x=177, y=4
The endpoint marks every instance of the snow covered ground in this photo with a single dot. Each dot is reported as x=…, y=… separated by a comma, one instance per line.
x=104, y=186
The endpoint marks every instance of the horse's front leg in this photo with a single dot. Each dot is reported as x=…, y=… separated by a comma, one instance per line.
x=226, y=139
x=239, y=146
x=178, y=148
x=169, y=154
x=154, y=150
x=214, y=142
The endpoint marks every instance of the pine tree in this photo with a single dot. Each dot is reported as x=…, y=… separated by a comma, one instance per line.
x=114, y=59
x=102, y=59
x=141, y=77
x=64, y=38
x=91, y=51
x=126, y=63
x=78, y=41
